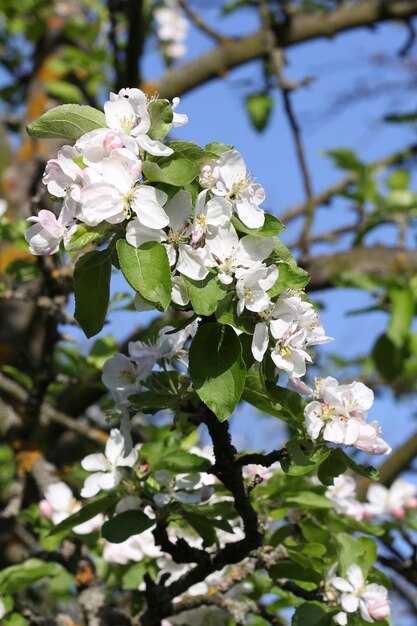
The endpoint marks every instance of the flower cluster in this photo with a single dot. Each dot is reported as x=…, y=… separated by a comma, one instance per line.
x=172, y=28
x=355, y=594
x=338, y=414
x=294, y=326
x=381, y=501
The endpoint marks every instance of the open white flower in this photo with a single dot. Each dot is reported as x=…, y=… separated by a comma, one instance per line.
x=127, y=113
x=288, y=353
x=252, y=286
x=107, y=474
x=63, y=177
x=371, y=600
x=172, y=28
x=343, y=497
x=236, y=186
x=209, y=216
x=60, y=503
x=393, y=500
x=339, y=415
x=47, y=231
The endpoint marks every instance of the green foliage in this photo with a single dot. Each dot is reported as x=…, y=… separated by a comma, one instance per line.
x=217, y=368
x=259, y=107
x=122, y=526
x=160, y=112
x=289, y=277
x=27, y=573
x=92, y=290
x=68, y=121
x=172, y=171
x=271, y=227
x=205, y=294
x=147, y=270
x=84, y=235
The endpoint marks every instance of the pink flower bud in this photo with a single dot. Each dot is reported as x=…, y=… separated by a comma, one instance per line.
x=45, y=508
x=398, y=512
x=411, y=503
x=379, y=609
x=112, y=141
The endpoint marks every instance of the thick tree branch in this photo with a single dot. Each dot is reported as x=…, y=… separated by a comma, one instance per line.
x=378, y=261
x=300, y=28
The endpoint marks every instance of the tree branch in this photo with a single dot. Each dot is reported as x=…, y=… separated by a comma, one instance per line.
x=300, y=28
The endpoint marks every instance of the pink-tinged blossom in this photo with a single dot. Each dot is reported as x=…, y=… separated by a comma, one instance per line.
x=60, y=503
x=107, y=467
x=393, y=500
x=371, y=600
x=234, y=184
x=97, y=145
x=339, y=416
x=209, y=216
x=342, y=495
x=127, y=113
x=63, y=177
x=46, y=233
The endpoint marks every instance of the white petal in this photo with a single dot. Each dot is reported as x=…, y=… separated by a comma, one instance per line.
x=95, y=463
x=147, y=204
x=191, y=263
x=260, y=341
x=252, y=249
x=137, y=234
x=349, y=603
x=91, y=486
x=115, y=446
x=179, y=293
x=154, y=147
x=251, y=215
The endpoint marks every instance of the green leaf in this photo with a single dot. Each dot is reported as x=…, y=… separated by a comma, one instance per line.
x=27, y=573
x=181, y=461
x=88, y=511
x=398, y=180
x=161, y=115
x=345, y=159
x=299, y=462
x=69, y=121
x=14, y=619
x=151, y=402
x=147, y=270
x=84, y=235
x=309, y=500
x=312, y=614
x=272, y=400
x=191, y=151
x=349, y=551
x=217, y=368
x=271, y=227
x=64, y=91
x=388, y=358
x=402, y=311
x=259, y=107
x=92, y=290
x=205, y=294
x=122, y=526
x=289, y=277
x=281, y=253
x=226, y=314
x=217, y=148
x=294, y=571
x=175, y=171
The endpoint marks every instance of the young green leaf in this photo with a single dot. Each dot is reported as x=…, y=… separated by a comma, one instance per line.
x=84, y=235
x=217, y=368
x=259, y=107
x=289, y=277
x=161, y=115
x=24, y=574
x=205, y=294
x=217, y=148
x=147, y=270
x=271, y=227
x=92, y=290
x=177, y=172
x=69, y=121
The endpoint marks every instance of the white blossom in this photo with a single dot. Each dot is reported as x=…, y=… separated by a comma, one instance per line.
x=60, y=503
x=252, y=286
x=371, y=600
x=393, y=500
x=106, y=467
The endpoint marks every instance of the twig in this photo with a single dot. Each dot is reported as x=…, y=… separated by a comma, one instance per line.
x=201, y=24
x=276, y=59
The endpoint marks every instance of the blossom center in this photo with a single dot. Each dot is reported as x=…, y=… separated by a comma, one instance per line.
x=127, y=123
